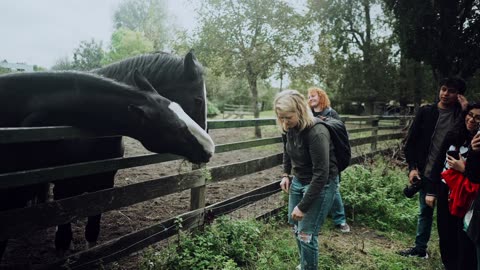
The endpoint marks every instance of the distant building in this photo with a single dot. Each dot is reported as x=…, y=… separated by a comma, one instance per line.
x=16, y=66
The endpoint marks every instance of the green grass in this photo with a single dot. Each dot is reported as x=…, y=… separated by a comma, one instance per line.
x=383, y=222
x=274, y=247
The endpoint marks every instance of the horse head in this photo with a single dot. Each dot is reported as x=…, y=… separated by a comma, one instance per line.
x=165, y=127
x=177, y=79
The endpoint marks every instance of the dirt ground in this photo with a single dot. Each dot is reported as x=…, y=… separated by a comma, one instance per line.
x=38, y=248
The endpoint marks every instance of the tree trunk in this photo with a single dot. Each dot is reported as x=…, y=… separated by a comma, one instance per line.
x=252, y=82
x=417, y=85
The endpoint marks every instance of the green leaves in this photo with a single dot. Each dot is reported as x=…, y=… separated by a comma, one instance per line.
x=226, y=244
x=248, y=37
x=148, y=17
x=374, y=195
x=444, y=34
x=126, y=43
x=88, y=55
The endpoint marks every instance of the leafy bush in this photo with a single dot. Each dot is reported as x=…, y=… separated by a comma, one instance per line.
x=223, y=245
x=373, y=195
x=212, y=109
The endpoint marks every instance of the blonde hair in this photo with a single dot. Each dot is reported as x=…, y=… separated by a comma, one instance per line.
x=293, y=101
x=323, y=100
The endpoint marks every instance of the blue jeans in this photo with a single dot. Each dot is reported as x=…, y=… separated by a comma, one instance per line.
x=306, y=230
x=338, y=211
x=424, y=223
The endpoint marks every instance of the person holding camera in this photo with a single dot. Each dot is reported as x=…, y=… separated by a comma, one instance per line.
x=424, y=152
x=456, y=194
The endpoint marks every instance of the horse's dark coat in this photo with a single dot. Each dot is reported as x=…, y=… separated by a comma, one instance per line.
x=180, y=80
x=177, y=79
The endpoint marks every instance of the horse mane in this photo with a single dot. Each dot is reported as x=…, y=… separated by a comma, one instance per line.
x=159, y=68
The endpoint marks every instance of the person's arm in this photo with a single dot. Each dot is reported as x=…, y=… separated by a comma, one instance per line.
x=287, y=167
x=287, y=163
x=319, y=149
x=411, y=146
x=472, y=168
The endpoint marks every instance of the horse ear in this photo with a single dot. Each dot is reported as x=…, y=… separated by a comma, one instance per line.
x=141, y=82
x=189, y=66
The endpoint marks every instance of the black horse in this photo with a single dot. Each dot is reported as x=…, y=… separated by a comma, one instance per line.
x=180, y=80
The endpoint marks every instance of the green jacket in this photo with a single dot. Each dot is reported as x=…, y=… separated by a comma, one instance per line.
x=310, y=155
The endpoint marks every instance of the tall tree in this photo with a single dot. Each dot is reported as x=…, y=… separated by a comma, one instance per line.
x=359, y=32
x=126, y=43
x=149, y=17
x=443, y=33
x=88, y=55
x=248, y=38
x=62, y=63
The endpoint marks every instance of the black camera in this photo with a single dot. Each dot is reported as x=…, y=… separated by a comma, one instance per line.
x=412, y=189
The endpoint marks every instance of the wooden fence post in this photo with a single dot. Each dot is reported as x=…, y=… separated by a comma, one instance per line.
x=197, y=195
x=373, y=146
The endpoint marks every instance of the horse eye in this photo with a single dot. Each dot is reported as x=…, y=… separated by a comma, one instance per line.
x=198, y=101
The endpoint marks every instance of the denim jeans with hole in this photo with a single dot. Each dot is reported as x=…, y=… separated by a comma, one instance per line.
x=312, y=220
x=338, y=210
x=424, y=222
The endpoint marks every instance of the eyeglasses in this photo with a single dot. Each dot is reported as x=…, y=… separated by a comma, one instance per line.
x=475, y=117
x=450, y=90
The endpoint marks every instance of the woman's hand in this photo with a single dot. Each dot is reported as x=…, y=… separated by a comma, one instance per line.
x=476, y=143
x=430, y=200
x=297, y=214
x=455, y=163
x=285, y=184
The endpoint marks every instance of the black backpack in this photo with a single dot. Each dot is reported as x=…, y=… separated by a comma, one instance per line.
x=339, y=137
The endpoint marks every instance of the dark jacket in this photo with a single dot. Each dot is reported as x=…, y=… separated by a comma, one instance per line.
x=418, y=143
x=310, y=155
x=328, y=112
x=472, y=167
x=472, y=172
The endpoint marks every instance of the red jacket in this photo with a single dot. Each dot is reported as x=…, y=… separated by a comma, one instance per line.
x=462, y=192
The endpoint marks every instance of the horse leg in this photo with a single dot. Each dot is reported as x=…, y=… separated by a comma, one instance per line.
x=63, y=238
x=97, y=182
x=92, y=230
x=3, y=246
x=64, y=235
x=12, y=199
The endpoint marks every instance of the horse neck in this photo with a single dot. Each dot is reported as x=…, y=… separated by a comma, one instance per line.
x=160, y=70
x=99, y=110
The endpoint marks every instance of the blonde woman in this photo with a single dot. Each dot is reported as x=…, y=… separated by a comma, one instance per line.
x=320, y=104
x=309, y=156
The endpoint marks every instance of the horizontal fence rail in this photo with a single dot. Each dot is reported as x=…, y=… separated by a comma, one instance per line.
x=16, y=222
x=136, y=241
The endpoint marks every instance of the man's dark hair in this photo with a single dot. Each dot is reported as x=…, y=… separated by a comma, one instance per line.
x=454, y=82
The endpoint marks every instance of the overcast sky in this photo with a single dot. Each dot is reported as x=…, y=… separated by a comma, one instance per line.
x=39, y=32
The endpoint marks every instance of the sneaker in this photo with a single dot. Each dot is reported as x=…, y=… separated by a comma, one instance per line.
x=344, y=228
x=414, y=252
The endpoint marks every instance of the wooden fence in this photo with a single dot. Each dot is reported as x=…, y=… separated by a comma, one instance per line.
x=17, y=222
x=238, y=111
